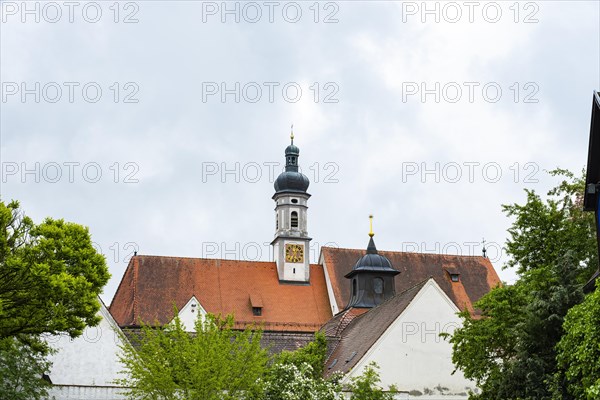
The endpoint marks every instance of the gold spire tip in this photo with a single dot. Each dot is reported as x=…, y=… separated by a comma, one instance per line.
x=292, y=132
x=371, y=225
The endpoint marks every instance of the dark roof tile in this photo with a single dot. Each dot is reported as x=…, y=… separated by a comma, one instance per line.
x=358, y=336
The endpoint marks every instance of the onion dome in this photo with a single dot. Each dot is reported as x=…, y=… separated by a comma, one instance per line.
x=372, y=261
x=291, y=180
x=372, y=278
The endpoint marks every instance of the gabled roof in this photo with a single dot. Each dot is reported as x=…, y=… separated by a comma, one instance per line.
x=593, y=165
x=152, y=285
x=477, y=275
x=361, y=333
x=99, y=344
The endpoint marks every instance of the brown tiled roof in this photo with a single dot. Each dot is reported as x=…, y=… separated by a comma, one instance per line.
x=355, y=339
x=151, y=286
x=276, y=342
x=338, y=323
x=477, y=275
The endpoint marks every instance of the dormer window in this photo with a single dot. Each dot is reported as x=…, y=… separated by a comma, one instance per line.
x=294, y=219
x=256, y=304
x=452, y=273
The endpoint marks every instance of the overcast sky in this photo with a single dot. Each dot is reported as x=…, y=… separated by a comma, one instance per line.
x=161, y=124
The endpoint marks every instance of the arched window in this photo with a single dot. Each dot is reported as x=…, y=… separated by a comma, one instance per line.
x=378, y=285
x=277, y=221
x=294, y=219
x=353, y=287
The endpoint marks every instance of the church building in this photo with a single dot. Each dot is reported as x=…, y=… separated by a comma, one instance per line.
x=382, y=306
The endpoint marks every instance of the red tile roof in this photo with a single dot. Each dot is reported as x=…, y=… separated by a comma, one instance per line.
x=152, y=285
x=476, y=274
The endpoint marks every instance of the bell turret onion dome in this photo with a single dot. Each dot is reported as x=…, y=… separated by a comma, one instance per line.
x=372, y=261
x=291, y=180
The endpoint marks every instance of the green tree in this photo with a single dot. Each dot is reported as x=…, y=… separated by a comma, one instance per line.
x=216, y=362
x=544, y=230
x=579, y=351
x=287, y=381
x=298, y=375
x=367, y=385
x=50, y=276
x=510, y=350
x=21, y=369
x=313, y=354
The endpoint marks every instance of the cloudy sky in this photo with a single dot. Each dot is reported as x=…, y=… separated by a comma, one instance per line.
x=161, y=125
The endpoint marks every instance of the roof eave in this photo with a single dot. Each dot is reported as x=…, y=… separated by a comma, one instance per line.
x=593, y=164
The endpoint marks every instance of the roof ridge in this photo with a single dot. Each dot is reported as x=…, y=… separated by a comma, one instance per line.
x=358, y=317
x=120, y=283
x=203, y=258
x=136, y=265
x=408, y=252
x=422, y=283
x=213, y=259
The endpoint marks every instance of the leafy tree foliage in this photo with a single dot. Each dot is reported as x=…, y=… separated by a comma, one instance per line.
x=367, y=385
x=544, y=231
x=313, y=354
x=510, y=349
x=298, y=375
x=216, y=362
x=50, y=276
x=21, y=369
x=287, y=381
x=579, y=351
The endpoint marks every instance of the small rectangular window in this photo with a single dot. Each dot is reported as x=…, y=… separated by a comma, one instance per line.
x=257, y=311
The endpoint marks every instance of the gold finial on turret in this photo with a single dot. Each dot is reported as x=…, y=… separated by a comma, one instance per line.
x=292, y=134
x=371, y=225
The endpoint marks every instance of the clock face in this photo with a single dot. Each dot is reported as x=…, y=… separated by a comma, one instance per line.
x=294, y=253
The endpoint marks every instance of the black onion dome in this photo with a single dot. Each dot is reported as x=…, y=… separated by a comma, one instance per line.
x=372, y=261
x=290, y=181
x=292, y=149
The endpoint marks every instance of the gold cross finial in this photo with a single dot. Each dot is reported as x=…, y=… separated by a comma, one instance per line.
x=371, y=225
x=292, y=135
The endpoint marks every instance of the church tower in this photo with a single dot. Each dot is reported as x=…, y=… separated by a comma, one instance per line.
x=291, y=243
x=372, y=278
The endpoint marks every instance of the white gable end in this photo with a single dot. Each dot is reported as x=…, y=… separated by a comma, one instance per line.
x=189, y=313
x=411, y=354
x=89, y=360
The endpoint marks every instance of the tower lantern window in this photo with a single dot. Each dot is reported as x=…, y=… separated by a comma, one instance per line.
x=294, y=219
x=378, y=285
